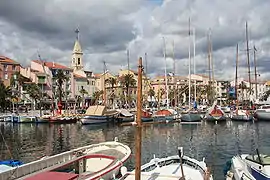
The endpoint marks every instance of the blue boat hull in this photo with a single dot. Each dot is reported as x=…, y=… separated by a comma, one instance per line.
x=191, y=117
x=12, y=163
x=258, y=176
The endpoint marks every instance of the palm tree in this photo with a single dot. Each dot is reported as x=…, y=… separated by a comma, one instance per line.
x=111, y=81
x=5, y=96
x=83, y=92
x=34, y=92
x=160, y=93
x=127, y=81
x=96, y=95
x=151, y=93
x=60, y=78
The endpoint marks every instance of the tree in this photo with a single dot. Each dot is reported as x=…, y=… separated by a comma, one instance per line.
x=60, y=78
x=265, y=95
x=127, y=81
x=160, y=93
x=111, y=81
x=5, y=96
x=83, y=92
x=34, y=92
x=96, y=95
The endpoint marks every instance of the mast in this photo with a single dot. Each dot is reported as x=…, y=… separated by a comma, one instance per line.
x=138, y=141
x=236, y=80
x=189, y=67
x=128, y=60
x=166, y=80
x=145, y=58
x=248, y=62
x=104, y=85
x=255, y=69
x=174, y=80
x=194, y=65
x=209, y=65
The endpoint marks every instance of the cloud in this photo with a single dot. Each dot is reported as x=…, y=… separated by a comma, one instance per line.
x=108, y=28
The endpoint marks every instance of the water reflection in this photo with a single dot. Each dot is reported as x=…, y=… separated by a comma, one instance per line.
x=217, y=143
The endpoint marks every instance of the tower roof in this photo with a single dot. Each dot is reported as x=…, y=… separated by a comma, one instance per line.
x=77, y=47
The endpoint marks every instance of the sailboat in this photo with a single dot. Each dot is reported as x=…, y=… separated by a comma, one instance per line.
x=166, y=114
x=215, y=113
x=169, y=168
x=239, y=114
x=191, y=115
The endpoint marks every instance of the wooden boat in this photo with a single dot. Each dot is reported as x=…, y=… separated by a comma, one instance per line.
x=249, y=167
x=125, y=116
x=97, y=161
x=146, y=116
x=164, y=115
x=171, y=168
x=61, y=119
x=98, y=114
x=263, y=113
x=215, y=114
x=191, y=117
x=24, y=119
x=241, y=115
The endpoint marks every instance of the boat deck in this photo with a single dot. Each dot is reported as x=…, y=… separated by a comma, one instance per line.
x=169, y=172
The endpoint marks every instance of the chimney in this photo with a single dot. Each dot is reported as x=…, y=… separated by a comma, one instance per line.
x=53, y=64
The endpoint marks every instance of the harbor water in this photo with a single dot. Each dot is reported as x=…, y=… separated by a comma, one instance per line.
x=217, y=143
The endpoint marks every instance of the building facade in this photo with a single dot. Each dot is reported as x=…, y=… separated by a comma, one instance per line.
x=7, y=68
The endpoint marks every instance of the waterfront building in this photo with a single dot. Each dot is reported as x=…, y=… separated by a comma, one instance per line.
x=7, y=68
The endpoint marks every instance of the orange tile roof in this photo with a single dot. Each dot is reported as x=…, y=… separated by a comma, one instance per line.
x=6, y=60
x=79, y=76
x=53, y=65
x=97, y=75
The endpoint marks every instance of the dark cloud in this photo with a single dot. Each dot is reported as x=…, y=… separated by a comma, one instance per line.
x=109, y=27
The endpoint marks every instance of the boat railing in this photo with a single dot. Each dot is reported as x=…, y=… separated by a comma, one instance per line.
x=51, y=162
x=246, y=177
x=37, y=166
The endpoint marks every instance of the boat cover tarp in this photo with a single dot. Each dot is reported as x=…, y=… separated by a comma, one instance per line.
x=125, y=113
x=146, y=114
x=53, y=175
x=96, y=110
x=216, y=112
x=163, y=112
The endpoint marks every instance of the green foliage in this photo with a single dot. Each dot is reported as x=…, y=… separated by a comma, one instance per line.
x=96, y=95
x=151, y=92
x=34, y=91
x=5, y=96
x=111, y=81
x=60, y=78
x=127, y=81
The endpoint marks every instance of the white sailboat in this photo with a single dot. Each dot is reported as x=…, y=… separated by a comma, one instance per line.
x=166, y=114
x=191, y=116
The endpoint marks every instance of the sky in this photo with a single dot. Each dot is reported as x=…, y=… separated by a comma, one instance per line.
x=108, y=28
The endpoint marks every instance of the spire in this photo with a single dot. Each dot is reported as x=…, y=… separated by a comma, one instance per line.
x=77, y=47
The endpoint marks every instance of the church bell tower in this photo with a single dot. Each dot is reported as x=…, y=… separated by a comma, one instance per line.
x=77, y=63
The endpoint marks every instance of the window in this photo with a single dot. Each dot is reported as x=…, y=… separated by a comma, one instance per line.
x=6, y=76
x=5, y=67
x=79, y=61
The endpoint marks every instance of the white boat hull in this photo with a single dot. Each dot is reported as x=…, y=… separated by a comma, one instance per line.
x=170, y=169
